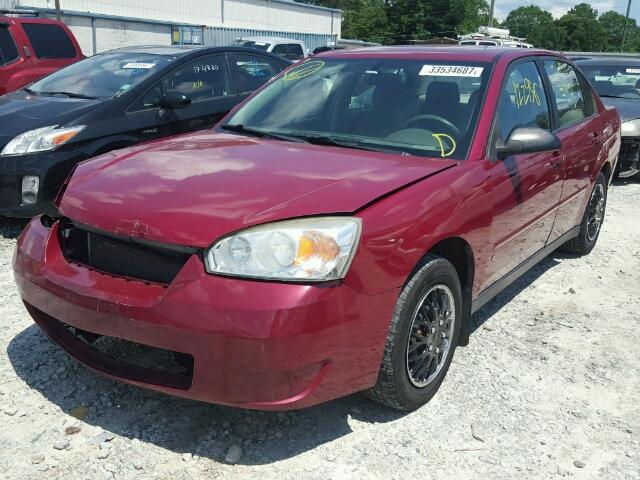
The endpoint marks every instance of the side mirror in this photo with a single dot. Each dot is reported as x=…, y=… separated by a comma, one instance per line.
x=174, y=101
x=527, y=140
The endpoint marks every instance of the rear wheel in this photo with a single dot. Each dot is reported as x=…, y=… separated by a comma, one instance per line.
x=422, y=337
x=591, y=220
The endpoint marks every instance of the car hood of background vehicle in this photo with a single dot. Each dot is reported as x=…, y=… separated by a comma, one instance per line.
x=628, y=108
x=21, y=112
x=192, y=189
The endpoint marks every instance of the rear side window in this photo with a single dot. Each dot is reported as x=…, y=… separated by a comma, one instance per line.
x=567, y=91
x=8, y=49
x=292, y=51
x=49, y=41
x=253, y=71
x=522, y=101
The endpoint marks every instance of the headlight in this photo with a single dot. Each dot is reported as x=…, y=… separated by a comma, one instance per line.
x=41, y=139
x=630, y=128
x=309, y=249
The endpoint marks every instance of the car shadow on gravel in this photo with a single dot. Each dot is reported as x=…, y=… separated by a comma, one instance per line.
x=11, y=227
x=181, y=425
x=507, y=295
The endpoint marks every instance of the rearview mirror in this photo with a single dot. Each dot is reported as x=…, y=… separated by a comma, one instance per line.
x=174, y=101
x=527, y=140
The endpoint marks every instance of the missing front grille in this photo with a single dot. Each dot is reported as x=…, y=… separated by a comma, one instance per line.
x=124, y=257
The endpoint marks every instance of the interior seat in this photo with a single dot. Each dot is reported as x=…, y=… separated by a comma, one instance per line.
x=443, y=100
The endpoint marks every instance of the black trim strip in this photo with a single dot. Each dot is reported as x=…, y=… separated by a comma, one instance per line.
x=490, y=292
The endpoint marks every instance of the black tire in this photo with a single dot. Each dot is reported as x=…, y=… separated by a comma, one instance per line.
x=395, y=388
x=586, y=240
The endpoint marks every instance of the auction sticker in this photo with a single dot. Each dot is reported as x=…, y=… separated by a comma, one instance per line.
x=451, y=71
x=633, y=70
x=136, y=66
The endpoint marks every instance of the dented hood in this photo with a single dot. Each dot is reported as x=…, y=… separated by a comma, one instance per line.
x=192, y=189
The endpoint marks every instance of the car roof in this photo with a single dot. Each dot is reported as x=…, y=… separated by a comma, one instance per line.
x=271, y=39
x=182, y=50
x=606, y=60
x=455, y=52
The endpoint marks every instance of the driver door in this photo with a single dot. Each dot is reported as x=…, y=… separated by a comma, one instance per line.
x=525, y=188
x=204, y=80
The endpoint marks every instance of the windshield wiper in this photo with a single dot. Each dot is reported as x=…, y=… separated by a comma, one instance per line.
x=29, y=91
x=69, y=94
x=335, y=142
x=260, y=133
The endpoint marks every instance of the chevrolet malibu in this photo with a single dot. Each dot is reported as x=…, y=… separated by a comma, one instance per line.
x=333, y=234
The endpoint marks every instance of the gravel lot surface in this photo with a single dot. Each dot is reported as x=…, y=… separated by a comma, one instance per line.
x=548, y=387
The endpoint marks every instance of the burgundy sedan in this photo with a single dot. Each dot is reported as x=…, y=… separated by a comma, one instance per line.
x=333, y=234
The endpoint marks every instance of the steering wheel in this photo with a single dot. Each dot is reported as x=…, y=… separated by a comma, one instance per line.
x=436, y=120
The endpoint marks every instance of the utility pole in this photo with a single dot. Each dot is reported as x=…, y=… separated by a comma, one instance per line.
x=58, y=14
x=624, y=27
x=493, y=6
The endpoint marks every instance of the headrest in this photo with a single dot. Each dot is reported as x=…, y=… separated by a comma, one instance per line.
x=446, y=93
x=390, y=92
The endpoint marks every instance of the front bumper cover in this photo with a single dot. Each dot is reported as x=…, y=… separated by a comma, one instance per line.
x=255, y=344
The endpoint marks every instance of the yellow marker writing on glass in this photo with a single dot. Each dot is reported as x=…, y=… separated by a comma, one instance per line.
x=303, y=70
x=443, y=150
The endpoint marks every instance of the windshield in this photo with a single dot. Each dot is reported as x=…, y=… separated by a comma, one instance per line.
x=620, y=80
x=251, y=44
x=415, y=107
x=101, y=76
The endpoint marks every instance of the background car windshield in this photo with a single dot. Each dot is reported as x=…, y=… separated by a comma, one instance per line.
x=417, y=107
x=251, y=44
x=620, y=80
x=102, y=76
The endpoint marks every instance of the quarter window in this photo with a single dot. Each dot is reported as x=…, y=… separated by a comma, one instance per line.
x=567, y=92
x=253, y=71
x=522, y=101
x=49, y=41
x=8, y=50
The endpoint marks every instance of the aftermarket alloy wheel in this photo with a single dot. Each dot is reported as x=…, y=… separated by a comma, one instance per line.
x=591, y=221
x=422, y=336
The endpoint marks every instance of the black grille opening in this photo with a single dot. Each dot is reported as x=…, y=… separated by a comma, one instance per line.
x=123, y=257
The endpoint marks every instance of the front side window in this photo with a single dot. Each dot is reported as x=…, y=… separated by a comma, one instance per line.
x=102, y=76
x=415, y=107
x=294, y=51
x=253, y=71
x=49, y=41
x=8, y=50
x=202, y=79
x=567, y=92
x=522, y=101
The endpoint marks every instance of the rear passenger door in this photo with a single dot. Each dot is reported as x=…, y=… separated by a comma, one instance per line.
x=579, y=130
x=11, y=63
x=525, y=188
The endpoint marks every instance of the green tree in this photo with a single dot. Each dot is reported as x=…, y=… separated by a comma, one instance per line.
x=471, y=14
x=612, y=24
x=366, y=20
x=583, y=31
x=537, y=26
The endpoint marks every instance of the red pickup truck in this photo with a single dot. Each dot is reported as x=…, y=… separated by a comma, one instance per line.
x=31, y=48
x=334, y=233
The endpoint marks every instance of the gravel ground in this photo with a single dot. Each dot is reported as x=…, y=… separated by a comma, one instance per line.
x=548, y=387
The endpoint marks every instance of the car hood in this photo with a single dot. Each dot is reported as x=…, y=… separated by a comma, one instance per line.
x=192, y=189
x=21, y=112
x=628, y=108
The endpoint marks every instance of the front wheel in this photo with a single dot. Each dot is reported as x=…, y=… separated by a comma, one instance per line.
x=422, y=337
x=591, y=220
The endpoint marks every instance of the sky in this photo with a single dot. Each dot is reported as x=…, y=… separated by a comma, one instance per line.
x=560, y=7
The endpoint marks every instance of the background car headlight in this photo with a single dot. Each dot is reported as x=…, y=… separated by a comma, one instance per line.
x=41, y=139
x=309, y=249
x=630, y=128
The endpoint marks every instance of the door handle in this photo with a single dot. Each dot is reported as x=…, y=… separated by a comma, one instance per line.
x=596, y=137
x=557, y=160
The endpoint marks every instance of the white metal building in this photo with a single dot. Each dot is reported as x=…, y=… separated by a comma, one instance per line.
x=101, y=25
